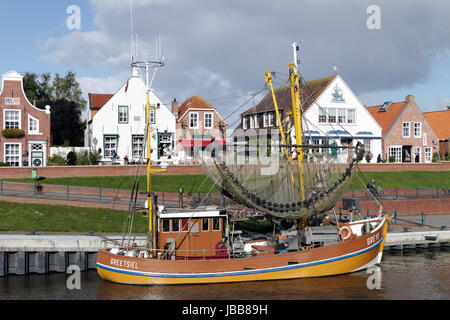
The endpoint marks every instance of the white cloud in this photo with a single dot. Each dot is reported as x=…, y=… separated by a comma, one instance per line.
x=222, y=48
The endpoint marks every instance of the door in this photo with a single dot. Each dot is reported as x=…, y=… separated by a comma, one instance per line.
x=37, y=155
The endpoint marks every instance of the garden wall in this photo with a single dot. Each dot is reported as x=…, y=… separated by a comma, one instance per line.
x=119, y=170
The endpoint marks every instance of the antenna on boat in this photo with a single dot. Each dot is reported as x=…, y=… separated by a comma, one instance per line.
x=296, y=48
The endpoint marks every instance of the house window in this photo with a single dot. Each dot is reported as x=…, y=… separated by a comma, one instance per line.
x=166, y=225
x=205, y=224
x=216, y=224
x=175, y=225
x=138, y=146
x=396, y=152
x=12, y=119
x=33, y=125
x=270, y=116
x=244, y=123
x=416, y=154
x=12, y=154
x=367, y=145
x=428, y=155
x=256, y=121
x=322, y=116
x=341, y=115
x=123, y=114
x=351, y=116
x=417, y=129
x=406, y=130
x=252, y=122
x=193, y=120
x=332, y=115
x=110, y=145
x=208, y=120
x=425, y=142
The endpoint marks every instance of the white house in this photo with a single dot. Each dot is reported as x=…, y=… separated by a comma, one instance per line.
x=119, y=124
x=338, y=112
x=333, y=114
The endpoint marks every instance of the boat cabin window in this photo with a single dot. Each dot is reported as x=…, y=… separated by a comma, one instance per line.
x=205, y=224
x=175, y=225
x=216, y=224
x=166, y=225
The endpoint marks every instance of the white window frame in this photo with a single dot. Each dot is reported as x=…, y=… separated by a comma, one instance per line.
x=428, y=154
x=30, y=131
x=341, y=115
x=354, y=116
x=109, y=150
x=396, y=152
x=138, y=141
x=6, y=155
x=191, y=119
x=19, y=120
x=416, y=150
x=418, y=133
x=406, y=126
x=322, y=116
x=244, y=122
x=206, y=120
x=332, y=115
x=125, y=119
x=425, y=140
x=270, y=117
x=256, y=120
x=252, y=122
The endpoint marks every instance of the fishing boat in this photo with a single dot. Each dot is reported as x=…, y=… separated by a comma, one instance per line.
x=199, y=245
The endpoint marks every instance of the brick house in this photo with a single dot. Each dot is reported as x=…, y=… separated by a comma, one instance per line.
x=25, y=138
x=197, y=123
x=407, y=135
x=440, y=122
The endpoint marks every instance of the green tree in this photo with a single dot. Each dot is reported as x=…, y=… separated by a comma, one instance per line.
x=65, y=97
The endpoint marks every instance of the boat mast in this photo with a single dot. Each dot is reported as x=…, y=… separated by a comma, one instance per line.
x=297, y=114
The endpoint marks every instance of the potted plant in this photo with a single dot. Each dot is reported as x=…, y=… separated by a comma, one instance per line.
x=13, y=133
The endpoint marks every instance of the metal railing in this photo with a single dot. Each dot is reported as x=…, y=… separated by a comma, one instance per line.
x=171, y=200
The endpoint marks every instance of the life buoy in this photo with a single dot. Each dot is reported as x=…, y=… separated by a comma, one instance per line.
x=346, y=232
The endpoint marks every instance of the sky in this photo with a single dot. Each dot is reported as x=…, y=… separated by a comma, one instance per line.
x=221, y=49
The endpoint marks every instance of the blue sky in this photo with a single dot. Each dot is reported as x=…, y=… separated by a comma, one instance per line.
x=221, y=49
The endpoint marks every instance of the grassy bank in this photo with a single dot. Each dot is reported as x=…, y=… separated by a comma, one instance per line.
x=160, y=183
x=201, y=184
x=25, y=217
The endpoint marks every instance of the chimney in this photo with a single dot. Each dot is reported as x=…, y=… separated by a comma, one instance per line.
x=410, y=98
x=175, y=107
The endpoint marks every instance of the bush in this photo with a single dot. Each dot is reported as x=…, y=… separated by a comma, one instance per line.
x=4, y=164
x=86, y=158
x=56, y=161
x=391, y=159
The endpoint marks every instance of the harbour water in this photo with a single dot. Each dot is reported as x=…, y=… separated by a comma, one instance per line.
x=403, y=275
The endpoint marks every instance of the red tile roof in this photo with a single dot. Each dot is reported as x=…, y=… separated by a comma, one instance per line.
x=193, y=102
x=440, y=122
x=97, y=101
x=387, y=118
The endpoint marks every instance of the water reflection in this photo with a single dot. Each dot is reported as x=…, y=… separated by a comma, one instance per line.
x=422, y=274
